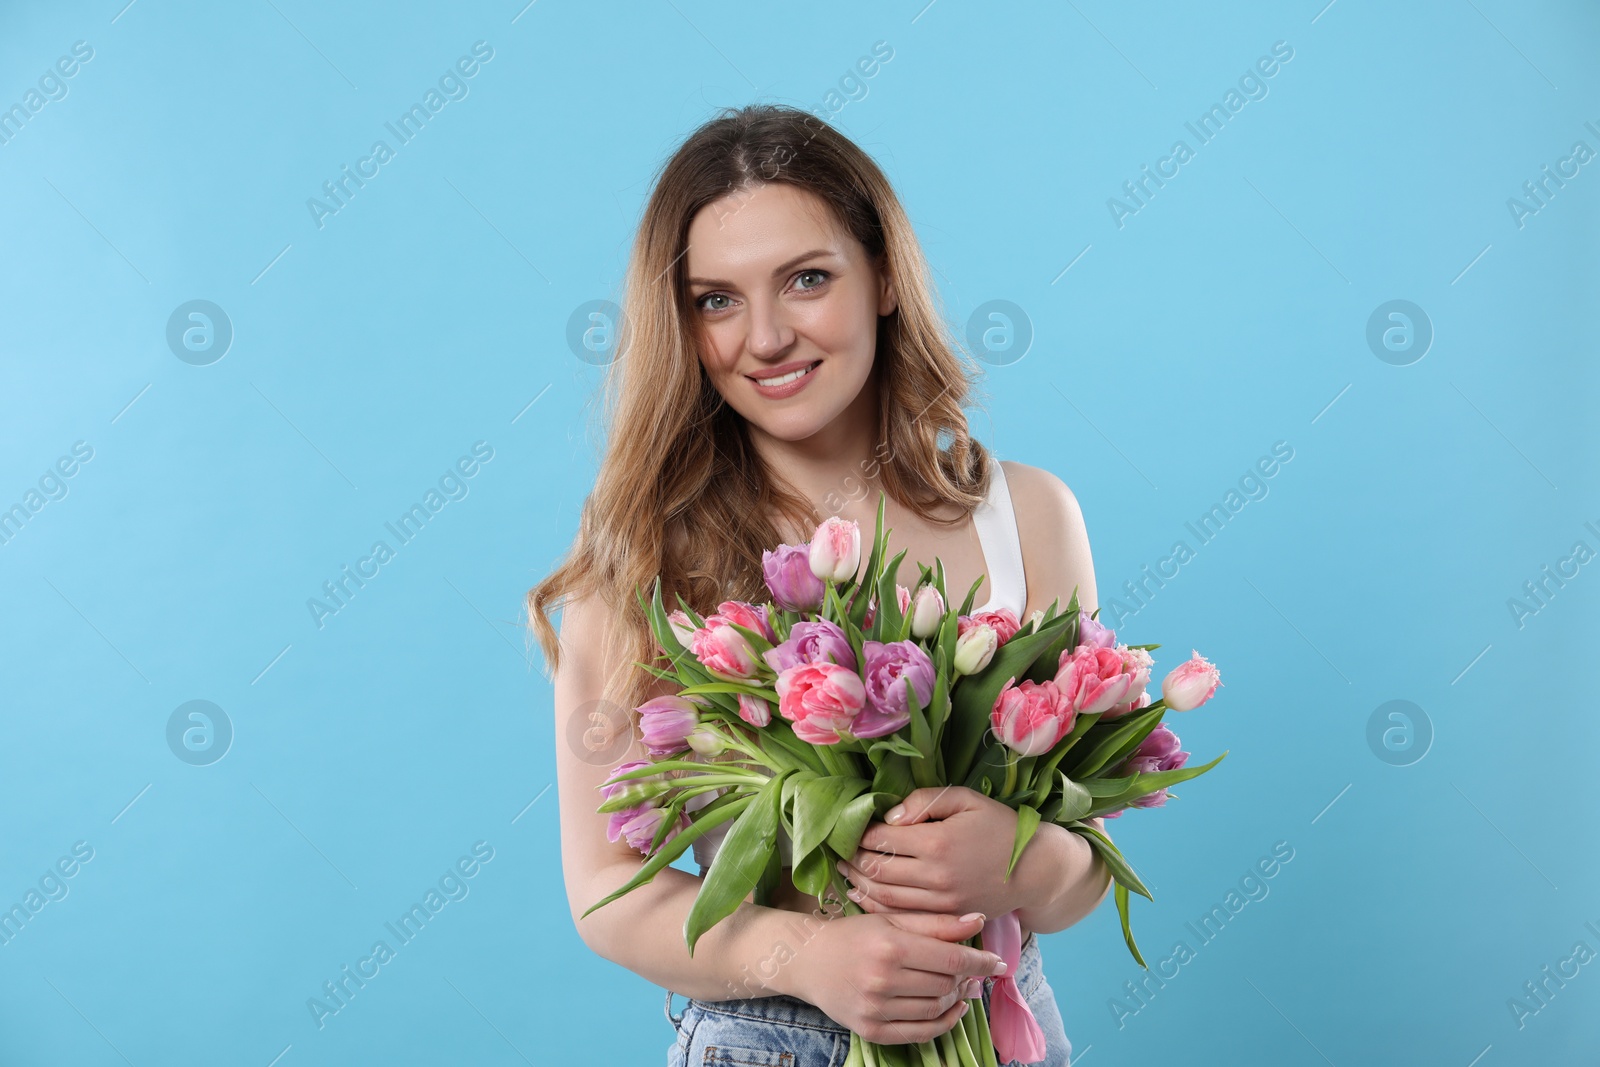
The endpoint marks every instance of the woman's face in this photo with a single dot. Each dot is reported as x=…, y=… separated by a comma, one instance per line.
x=776, y=285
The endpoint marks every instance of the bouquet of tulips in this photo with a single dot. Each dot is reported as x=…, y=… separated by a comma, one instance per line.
x=879, y=690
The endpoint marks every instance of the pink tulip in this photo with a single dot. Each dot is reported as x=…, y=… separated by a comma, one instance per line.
x=1190, y=684
x=754, y=710
x=836, y=549
x=724, y=652
x=1094, y=679
x=1136, y=663
x=822, y=700
x=665, y=723
x=750, y=616
x=682, y=628
x=1030, y=718
x=1005, y=623
x=787, y=570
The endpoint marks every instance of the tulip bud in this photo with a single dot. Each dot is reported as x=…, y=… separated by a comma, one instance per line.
x=1190, y=684
x=836, y=549
x=754, y=710
x=927, y=612
x=975, y=648
x=706, y=741
x=682, y=628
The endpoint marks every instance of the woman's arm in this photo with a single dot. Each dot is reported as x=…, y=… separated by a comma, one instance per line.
x=1069, y=880
x=641, y=930
x=1057, y=560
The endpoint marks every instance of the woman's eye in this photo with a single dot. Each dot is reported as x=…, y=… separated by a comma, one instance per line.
x=821, y=276
x=704, y=301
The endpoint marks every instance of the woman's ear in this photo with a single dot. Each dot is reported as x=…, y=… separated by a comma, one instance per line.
x=888, y=299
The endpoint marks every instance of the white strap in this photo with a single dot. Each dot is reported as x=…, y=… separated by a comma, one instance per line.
x=996, y=523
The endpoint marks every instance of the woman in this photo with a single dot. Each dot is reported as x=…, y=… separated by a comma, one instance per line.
x=781, y=359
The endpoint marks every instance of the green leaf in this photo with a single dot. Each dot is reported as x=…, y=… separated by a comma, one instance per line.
x=815, y=806
x=889, y=618
x=893, y=774
x=845, y=837
x=770, y=695
x=1076, y=801
x=710, y=816
x=892, y=743
x=1139, y=785
x=880, y=541
x=1027, y=823
x=1045, y=777
x=1049, y=661
x=739, y=862
x=1123, y=735
x=1115, y=862
x=1127, y=926
x=972, y=594
x=974, y=698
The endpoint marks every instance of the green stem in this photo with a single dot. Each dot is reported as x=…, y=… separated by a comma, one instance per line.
x=963, y=1039
x=981, y=1036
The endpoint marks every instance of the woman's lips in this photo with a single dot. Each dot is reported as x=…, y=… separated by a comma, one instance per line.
x=788, y=389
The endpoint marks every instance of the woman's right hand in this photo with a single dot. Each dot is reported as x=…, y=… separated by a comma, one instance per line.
x=894, y=978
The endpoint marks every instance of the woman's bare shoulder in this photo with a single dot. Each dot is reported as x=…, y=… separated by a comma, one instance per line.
x=1039, y=493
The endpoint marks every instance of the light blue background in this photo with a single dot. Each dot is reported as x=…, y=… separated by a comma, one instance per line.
x=1229, y=313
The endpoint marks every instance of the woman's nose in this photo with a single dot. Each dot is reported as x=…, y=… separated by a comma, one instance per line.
x=770, y=333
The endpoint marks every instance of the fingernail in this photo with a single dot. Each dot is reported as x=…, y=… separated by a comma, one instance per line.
x=999, y=966
x=971, y=915
x=841, y=868
x=974, y=988
x=895, y=814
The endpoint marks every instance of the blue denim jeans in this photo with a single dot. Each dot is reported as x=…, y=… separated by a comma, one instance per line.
x=783, y=1031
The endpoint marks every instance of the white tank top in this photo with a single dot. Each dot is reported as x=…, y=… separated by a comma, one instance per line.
x=996, y=523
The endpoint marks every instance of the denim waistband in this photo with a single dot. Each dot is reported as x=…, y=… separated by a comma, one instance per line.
x=792, y=1011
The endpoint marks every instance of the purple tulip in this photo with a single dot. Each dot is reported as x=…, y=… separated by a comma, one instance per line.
x=639, y=826
x=787, y=570
x=1157, y=752
x=889, y=665
x=1093, y=633
x=666, y=722
x=811, y=642
x=630, y=784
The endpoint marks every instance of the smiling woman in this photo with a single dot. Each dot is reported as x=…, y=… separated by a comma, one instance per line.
x=781, y=341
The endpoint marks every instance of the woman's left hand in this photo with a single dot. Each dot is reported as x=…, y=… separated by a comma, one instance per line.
x=946, y=852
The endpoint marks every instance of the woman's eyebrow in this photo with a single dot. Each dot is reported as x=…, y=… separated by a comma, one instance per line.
x=778, y=271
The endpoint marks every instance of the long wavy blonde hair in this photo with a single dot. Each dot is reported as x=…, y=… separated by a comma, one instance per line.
x=680, y=491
